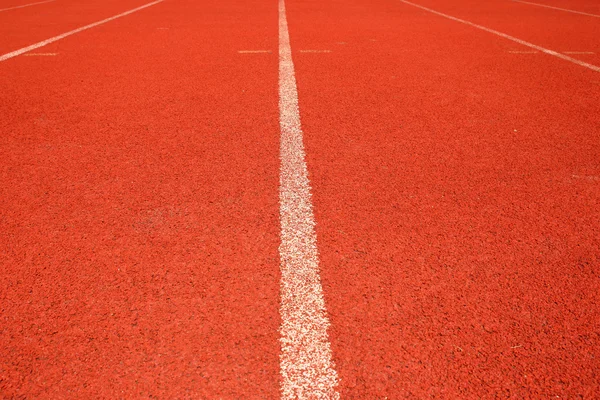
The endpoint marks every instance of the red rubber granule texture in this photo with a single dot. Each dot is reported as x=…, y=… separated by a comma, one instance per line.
x=456, y=191
x=139, y=198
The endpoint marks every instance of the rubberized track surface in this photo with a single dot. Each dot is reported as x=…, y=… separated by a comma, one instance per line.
x=455, y=184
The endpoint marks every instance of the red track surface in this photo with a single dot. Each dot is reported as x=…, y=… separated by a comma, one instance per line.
x=139, y=209
x=456, y=191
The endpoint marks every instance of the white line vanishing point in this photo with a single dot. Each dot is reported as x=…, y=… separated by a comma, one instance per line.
x=74, y=31
x=25, y=5
x=557, y=8
x=504, y=35
x=307, y=370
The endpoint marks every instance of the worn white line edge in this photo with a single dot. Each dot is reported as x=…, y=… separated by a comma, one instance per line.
x=306, y=366
x=25, y=5
x=253, y=51
x=557, y=8
x=504, y=35
x=64, y=35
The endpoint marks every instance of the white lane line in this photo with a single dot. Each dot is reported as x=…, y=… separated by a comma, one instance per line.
x=74, y=31
x=504, y=35
x=315, y=51
x=253, y=51
x=579, y=52
x=557, y=8
x=25, y=5
x=522, y=52
x=39, y=54
x=306, y=365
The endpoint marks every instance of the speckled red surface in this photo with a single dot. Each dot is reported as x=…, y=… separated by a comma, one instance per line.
x=139, y=207
x=456, y=192
x=457, y=196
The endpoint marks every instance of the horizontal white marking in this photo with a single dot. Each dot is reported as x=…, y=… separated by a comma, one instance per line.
x=25, y=5
x=504, y=35
x=306, y=365
x=253, y=51
x=579, y=52
x=74, y=31
x=39, y=54
x=587, y=177
x=558, y=8
x=315, y=51
x=522, y=52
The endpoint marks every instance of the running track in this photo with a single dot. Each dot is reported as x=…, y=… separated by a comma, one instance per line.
x=157, y=226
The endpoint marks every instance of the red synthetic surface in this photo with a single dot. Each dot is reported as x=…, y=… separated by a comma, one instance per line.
x=456, y=191
x=139, y=207
x=25, y=26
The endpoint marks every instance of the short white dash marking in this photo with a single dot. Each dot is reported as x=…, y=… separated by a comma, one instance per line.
x=39, y=54
x=25, y=5
x=253, y=51
x=306, y=365
x=522, y=52
x=557, y=8
x=504, y=35
x=315, y=51
x=74, y=31
x=579, y=52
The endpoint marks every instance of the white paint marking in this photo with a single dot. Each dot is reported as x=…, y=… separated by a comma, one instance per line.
x=25, y=5
x=557, y=8
x=39, y=54
x=522, y=52
x=64, y=35
x=579, y=52
x=504, y=35
x=307, y=370
x=253, y=51
x=587, y=177
x=315, y=51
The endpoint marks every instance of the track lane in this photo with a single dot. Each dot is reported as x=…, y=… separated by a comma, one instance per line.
x=23, y=27
x=588, y=6
x=558, y=31
x=139, y=203
x=456, y=199
x=23, y=5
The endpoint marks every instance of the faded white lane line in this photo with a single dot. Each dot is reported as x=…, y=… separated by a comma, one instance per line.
x=579, y=52
x=25, y=5
x=253, y=51
x=522, y=52
x=306, y=366
x=315, y=51
x=504, y=35
x=74, y=31
x=39, y=54
x=557, y=8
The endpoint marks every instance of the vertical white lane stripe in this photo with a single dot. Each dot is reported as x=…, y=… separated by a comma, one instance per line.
x=504, y=35
x=557, y=8
x=307, y=370
x=25, y=5
x=15, y=53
